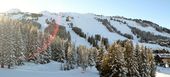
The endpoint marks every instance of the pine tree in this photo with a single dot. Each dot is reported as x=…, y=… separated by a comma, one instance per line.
x=143, y=63
x=118, y=67
x=151, y=64
x=2, y=54
x=99, y=58
x=130, y=59
x=71, y=56
x=82, y=57
x=137, y=56
x=19, y=46
x=92, y=56
x=58, y=49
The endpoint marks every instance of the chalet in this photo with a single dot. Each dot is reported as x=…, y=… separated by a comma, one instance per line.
x=163, y=59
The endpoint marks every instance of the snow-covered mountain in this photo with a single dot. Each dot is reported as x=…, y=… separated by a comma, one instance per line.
x=13, y=11
x=111, y=27
x=83, y=27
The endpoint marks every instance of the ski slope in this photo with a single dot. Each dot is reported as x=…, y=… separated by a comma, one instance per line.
x=47, y=70
x=52, y=69
x=90, y=26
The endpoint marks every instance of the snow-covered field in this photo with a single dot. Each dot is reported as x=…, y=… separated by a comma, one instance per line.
x=53, y=70
x=47, y=70
x=163, y=72
x=158, y=74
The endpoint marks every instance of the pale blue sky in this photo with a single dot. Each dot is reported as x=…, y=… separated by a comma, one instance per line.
x=157, y=11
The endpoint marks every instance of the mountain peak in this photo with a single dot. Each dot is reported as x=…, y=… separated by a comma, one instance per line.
x=15, y=10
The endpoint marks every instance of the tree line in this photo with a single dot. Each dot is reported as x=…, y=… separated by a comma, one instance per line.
x=19, y=41
x=122, y=59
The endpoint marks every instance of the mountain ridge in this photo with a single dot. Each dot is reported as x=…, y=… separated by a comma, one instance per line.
x=111, y=27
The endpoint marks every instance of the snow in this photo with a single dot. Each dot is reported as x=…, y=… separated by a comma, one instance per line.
x=78, y=40
x=41, y=20
x=13, y=11
x=154, y=46
x=123, y=28
x=86, y=22
x=17, y=16
x=49, y=16
x=91, y=26
x=47, y=70
x=61, y=21
x=146, y=29
x=163, y=72
x=45, y=12
x=52, y=69
x=158, y=74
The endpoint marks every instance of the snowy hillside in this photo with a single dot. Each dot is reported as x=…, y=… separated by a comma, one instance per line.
x=120, y=27
x=81, y=28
